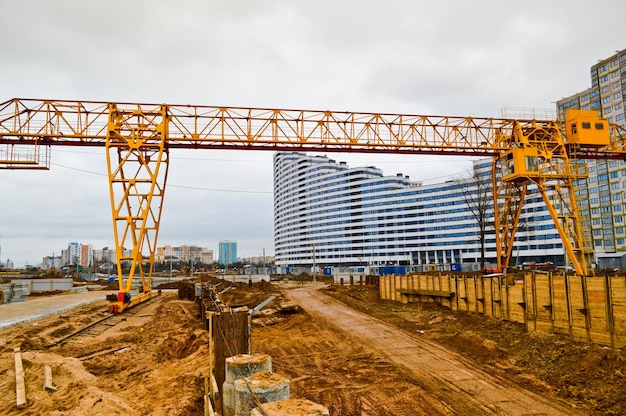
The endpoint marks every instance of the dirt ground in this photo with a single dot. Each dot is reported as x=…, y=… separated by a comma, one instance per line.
x=592, y=378
x=154, y=362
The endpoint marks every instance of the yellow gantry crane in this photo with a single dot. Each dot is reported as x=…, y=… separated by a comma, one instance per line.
x=138, y=137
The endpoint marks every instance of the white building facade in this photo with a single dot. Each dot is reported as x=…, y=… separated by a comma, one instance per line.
x=341, y=216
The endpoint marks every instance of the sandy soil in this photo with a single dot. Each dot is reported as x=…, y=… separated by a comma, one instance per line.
x=151, y=364
x=154, y=362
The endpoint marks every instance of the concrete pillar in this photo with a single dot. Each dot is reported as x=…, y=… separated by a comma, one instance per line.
x=262, y=387
x=238, y=367
x=292, y=407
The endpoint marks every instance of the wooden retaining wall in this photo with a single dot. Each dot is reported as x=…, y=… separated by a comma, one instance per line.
x=588, y=309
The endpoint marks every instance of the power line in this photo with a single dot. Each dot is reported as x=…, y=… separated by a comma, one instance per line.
x=196, y=188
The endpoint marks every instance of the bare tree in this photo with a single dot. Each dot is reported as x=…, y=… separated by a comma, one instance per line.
x=477, y=189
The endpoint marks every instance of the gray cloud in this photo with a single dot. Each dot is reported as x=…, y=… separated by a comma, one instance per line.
x=420, y=57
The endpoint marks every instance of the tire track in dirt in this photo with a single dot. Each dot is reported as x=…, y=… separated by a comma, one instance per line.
x=327, y=368
x=444, y=375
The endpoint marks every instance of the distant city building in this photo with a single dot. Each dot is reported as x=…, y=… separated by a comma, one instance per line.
x=86, y=255
x=346, y=216
x=78, y=255
x=259, y=260
x=191, y=254
x=227, y=252
x=207, y=256
x=52, y=262
x=105, y=255
x=185, y=253
x=164, y=253
x=74, y=254
x=601, y=198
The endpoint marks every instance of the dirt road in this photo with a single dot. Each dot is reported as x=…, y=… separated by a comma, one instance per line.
x=451, y=384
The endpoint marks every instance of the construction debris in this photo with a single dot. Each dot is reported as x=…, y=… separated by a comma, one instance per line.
x=47, y=379
x=20, y=384
x=14, y=292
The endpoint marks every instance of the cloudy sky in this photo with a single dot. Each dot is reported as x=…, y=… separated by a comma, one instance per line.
x=445, y=57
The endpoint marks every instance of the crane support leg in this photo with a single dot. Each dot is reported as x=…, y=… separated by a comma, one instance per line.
x=568, y=223
x=538, y=154
x=137, y=162
x=508, y=203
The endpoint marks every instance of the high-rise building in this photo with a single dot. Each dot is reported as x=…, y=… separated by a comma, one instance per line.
x=344, y=216
x=86, y=255
x=74, y=254
x=227, y=252
x=601, y=197
x=78, y=254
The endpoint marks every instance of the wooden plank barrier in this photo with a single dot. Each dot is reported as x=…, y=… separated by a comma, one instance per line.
x=617, y=298
x=599, y=330
x=587, y=309
x=516, y=302
x=542, y=301
x=461, y=289
x=578, y=308
x=425, y=289
x=560, y=306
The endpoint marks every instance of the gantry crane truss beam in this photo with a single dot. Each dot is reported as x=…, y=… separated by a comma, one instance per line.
x=138, y=138
x=84, y=123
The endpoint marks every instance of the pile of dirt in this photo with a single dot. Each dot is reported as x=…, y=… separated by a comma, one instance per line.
x=151, y=363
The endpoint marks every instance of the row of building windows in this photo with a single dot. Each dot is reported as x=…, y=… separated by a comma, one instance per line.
x=336, y=213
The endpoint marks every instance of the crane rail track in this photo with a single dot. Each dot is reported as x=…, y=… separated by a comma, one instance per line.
x=97, y=327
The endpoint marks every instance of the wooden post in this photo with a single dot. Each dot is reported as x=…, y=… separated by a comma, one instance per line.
x=568, y=302
x=230, y=332
x=475, y=294
x=211, y=352
x=456, y=291
x=493, y=303
x=508, y=301
x=533, y=291
x=20, y=385
x=207, y=401
x=583, y=280
x=466, y=295
x=551, y=294
x=524, y=302
x=610, y=321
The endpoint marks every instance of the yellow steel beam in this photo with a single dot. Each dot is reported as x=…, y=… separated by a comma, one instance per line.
x=85, y=123
x=137, y=162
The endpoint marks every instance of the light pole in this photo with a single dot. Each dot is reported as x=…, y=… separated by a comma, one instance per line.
x=314, y=269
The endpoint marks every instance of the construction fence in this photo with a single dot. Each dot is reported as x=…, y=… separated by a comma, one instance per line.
x=588, y=309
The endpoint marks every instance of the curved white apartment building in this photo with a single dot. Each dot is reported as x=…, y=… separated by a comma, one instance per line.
x=328, y=214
